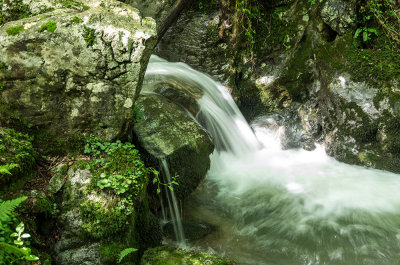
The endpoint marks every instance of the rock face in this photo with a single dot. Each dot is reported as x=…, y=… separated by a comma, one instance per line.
x=77, y=69
x=165, y=131
x=172, y=256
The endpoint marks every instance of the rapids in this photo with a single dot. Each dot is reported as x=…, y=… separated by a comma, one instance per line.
x=283, y=207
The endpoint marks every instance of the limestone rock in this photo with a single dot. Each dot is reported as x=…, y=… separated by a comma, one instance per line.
x=338, y=15
x=76, y=70
x=167, y=255
x=167, y=132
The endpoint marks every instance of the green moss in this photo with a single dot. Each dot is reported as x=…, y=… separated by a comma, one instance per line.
x=16, y=148
x=89, y=35
x=167, y=255
x=49, y=26
x=71, y=3
x=14, y=31
x=76, y=20
x=102, y=220
x=18, y=11
x=377, y=65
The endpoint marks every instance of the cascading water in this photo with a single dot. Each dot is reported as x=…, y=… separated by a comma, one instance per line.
x=173, y=207
x=285, y=207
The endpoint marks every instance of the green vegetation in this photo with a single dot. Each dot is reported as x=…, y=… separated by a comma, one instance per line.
x=18, y=11
x=250, y=15
x=16, y=149
x=124, y=253
x=89, y=35
x=382, y=13
x=71, y=3
x=49, y=26
x=118, y=167
x=13, y=248
x=14, y=31
x=76, y=20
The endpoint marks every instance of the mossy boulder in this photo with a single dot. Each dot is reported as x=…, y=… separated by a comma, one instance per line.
x=77, y=69
x=166, y=132
x=167, y=255
x=94, y=228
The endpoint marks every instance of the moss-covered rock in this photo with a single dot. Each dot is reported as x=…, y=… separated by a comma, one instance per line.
x=167, y=132
x=74, y=78
x=171, y=256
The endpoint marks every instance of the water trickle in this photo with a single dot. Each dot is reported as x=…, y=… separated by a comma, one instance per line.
x=173, y=208
x=285, y=207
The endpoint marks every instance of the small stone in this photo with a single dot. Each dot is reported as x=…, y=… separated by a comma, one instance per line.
x=57, y=181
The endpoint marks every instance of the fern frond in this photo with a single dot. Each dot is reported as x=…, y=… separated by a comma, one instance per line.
x=124, y=253
x=5, y=169
x=7, y=207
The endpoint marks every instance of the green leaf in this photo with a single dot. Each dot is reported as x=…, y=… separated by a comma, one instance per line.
x=124, y=253
x=358, y=31
x=154, y=180
x=31, y=258
x=18, y=242
x=7, y=207
x=373, y=31
x=26, y=236
x=365, y=36
x=20, y=228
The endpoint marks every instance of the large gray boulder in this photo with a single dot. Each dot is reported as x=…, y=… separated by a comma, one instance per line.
x=165, y=131
x=77, y=69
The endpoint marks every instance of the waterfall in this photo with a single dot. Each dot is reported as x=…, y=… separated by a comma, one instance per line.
x=218, y=112
x=173, y=207
x=284, y=207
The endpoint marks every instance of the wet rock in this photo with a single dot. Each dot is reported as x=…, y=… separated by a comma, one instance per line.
x=77, y=69
x=167, y=255
x=167, y=132
x=193, y=229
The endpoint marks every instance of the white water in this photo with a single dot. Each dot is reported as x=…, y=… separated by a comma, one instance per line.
x=173, y=207
x=286, y=207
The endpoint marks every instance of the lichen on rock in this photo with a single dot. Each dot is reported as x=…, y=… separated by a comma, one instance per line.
x=74, y=78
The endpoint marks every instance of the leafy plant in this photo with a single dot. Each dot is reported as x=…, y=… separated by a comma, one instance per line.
x=156, y=180
x=13, y=250
x=250, y=15
x=119, y=168
x=124, y=253
x=366, y=33
x=7, y=207
x=383, y=13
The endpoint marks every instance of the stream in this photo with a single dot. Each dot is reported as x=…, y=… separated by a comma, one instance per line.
x=283, y=207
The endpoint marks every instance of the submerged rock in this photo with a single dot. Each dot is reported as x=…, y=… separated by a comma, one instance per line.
x=167, y=132
x=193, y=229
x=77, y=69
x=167, y=255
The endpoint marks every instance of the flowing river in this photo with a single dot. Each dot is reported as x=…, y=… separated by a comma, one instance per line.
x=283, y=207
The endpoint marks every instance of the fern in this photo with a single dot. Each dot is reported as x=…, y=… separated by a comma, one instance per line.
x=124, y=253
x=5, y=169
x=7, y=207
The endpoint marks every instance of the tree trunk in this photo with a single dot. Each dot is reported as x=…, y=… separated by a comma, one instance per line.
x=171, y=18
